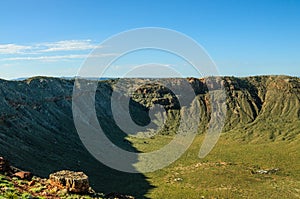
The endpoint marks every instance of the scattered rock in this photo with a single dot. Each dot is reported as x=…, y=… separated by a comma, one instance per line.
x=4, y=165
x=221, y=163
x=265, y=171
x=31, y=183
x=178, y=179
x=24, y=175
x=61, y=184
x=76, y=182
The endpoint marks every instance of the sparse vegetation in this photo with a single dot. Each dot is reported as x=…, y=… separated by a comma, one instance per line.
x=14, y=188
x=227, y=171
x=261, y=133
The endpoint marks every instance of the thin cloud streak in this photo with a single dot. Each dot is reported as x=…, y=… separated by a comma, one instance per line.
x=68, y=45
x=57, y=57
x=60, y=46
x=13, y=49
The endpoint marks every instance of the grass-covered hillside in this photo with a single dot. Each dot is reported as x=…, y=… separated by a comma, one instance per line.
x=257, y=155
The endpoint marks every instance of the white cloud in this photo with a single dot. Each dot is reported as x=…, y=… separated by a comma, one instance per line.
x=45, y=58
x=50, y=51
x=14, y=49
x=68, y=45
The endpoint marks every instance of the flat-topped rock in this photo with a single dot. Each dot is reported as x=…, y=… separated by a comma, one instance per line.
x=76, y=182
x=24, y=175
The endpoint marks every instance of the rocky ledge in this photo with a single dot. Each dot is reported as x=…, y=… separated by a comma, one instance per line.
x=15, y=183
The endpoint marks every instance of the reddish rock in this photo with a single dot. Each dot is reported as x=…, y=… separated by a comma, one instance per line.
x=31, y=183
x=24, y=175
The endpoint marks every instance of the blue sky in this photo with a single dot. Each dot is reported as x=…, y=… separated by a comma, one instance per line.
x=243, y=38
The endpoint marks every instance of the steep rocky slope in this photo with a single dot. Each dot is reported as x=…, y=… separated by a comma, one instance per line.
x=37, y=132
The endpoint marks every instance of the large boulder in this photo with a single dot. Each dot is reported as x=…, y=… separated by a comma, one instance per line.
x=76, y=182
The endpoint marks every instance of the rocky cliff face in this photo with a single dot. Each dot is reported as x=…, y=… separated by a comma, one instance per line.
x=36, y=123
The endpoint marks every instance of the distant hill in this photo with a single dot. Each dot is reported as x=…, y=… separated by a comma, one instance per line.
x=36, y=122
x=68, y=78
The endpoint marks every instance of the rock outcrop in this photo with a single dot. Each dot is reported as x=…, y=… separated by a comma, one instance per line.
x=76, y=182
